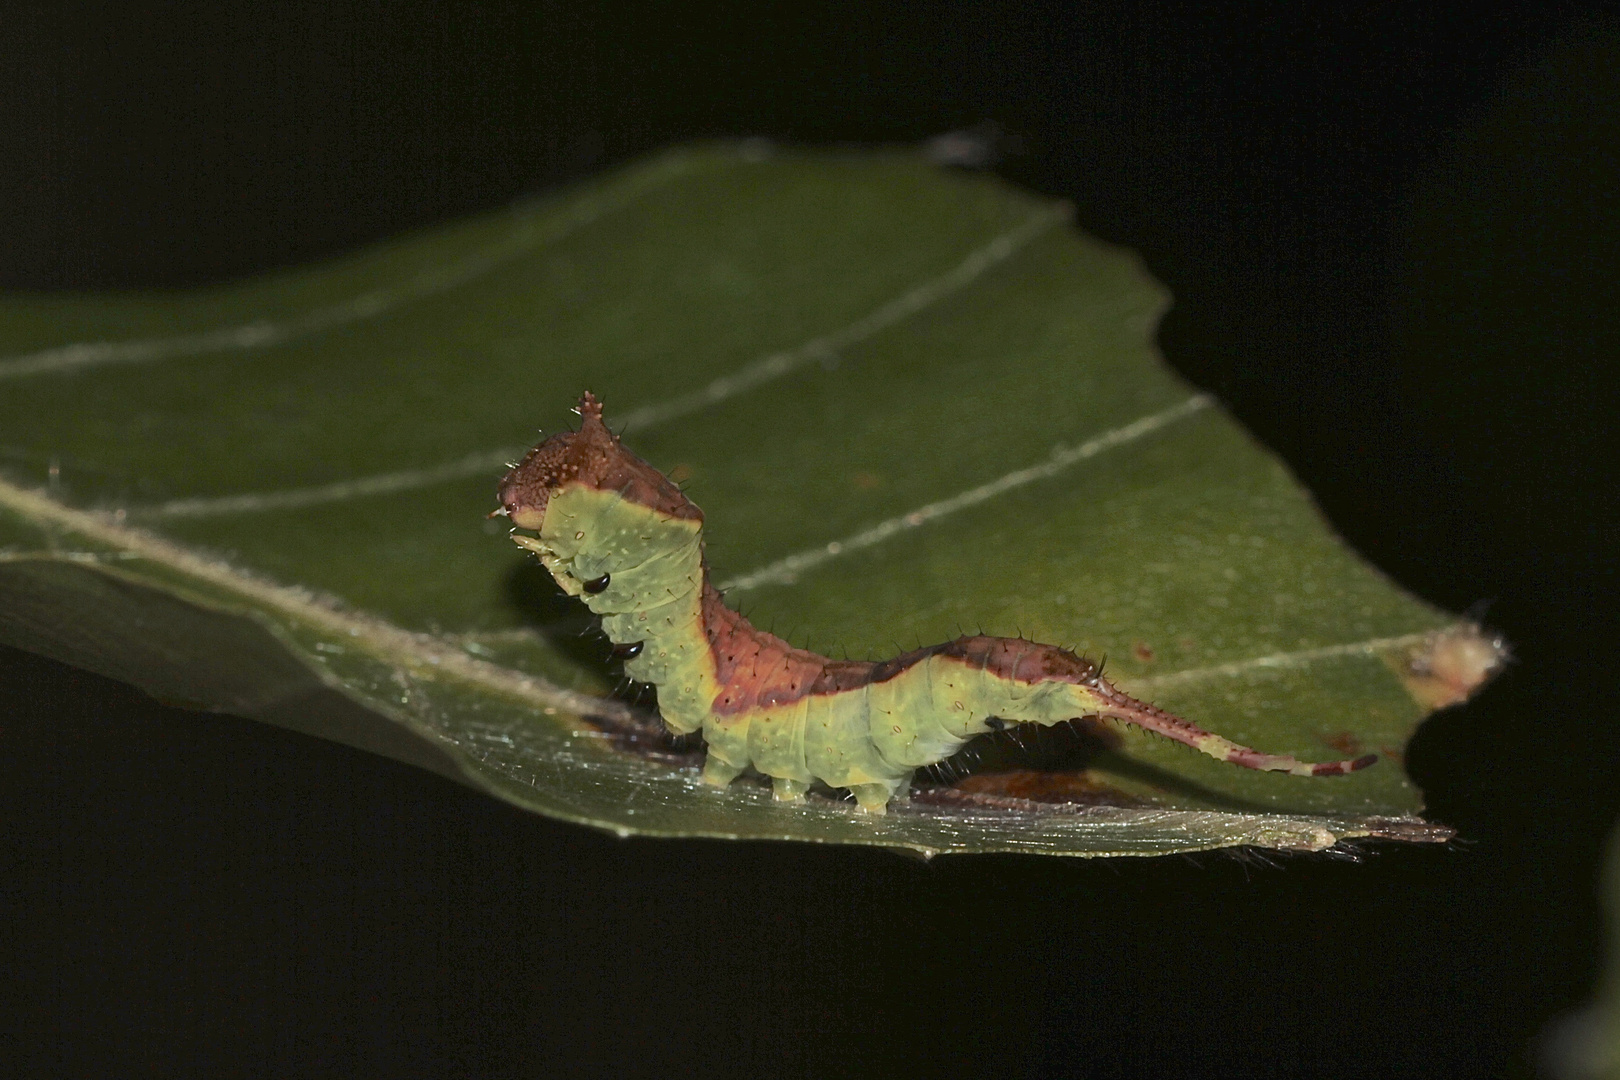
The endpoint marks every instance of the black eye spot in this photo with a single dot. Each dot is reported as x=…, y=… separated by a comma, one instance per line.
x=628, y=651
x=596, y=585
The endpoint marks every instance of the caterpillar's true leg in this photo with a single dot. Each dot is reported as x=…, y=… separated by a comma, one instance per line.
x=787, y=790
x=719, y=773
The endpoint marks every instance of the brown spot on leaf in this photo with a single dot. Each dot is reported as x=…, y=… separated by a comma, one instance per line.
x=1027, y=789
x=643, y=734
x=1345, y=743
x=1038, y=785
x=1142, y=652
x=865, y=481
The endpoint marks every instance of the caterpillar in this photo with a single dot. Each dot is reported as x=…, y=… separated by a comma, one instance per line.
x=619, y=535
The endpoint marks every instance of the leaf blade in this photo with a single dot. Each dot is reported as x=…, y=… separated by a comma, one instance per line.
x=926, y=346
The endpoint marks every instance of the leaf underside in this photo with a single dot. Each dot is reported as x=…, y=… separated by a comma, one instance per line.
x=910, y=403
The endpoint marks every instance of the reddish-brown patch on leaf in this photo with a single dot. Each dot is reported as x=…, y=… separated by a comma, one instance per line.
x=1344, y=742
x=1039, y=785
x=592, y=456
x=645, y=735
x=1026, y=790
x=1142, y=652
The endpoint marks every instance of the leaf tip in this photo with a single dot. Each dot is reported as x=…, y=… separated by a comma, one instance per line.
x=1450, y=665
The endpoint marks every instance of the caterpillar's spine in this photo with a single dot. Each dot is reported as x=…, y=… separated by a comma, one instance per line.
x=619, y=535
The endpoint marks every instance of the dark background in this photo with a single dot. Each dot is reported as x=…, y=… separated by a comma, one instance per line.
x=1393, y=237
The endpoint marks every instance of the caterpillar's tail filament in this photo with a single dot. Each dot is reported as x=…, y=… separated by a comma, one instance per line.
x=1122, y=706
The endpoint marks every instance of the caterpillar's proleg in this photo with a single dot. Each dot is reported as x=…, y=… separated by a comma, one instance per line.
x=617, y=534
x=873, y=798
x=786, y=789
x=720, y=773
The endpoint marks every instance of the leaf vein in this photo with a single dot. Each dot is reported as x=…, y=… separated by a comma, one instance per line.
x=749, y=376
x=408, y=650
x=1284, y=660
x=533, y=228
x=787, y=570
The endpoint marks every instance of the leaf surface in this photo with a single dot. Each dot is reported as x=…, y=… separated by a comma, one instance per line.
x=910, y=402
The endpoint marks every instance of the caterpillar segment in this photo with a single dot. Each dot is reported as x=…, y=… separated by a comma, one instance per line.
x=620, y=536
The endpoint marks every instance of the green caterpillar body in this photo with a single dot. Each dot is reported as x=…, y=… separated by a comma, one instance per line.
x=621, y=537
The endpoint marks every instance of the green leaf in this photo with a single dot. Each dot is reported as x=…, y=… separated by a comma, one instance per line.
x=910, y=402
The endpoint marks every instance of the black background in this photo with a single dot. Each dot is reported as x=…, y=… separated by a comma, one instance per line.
x=1393, y=237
